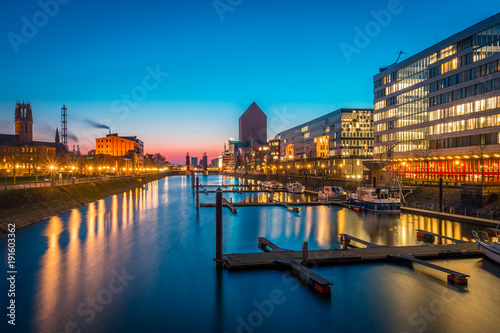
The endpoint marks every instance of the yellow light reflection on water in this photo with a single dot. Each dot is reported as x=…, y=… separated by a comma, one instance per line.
x=73, y=271
x=341, y=221
x=50, y=274
x=124, y=211
x=114, y=214
x=323, y=227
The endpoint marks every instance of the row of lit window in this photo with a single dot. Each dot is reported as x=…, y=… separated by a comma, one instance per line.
x=473, y=90
x=465, y=76
x=357, y=143
x=486, y=51
x=465, y=125
x=413, y=119
x=11, y=149
x=357, y=134
x=486, y=43
x=465, y=141
x=466, y=108
x=385, y=138
x=385, y=114
x=412, y=96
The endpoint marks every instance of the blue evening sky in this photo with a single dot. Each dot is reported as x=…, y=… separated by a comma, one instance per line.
x=178, y=74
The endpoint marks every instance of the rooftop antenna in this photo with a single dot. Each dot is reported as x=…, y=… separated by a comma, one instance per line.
x=397, y=60
x=64, y=125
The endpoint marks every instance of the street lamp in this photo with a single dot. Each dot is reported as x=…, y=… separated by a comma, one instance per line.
x=52, y=173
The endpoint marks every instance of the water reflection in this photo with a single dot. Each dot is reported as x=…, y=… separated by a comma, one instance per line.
x=50, y=274
x=156, y=234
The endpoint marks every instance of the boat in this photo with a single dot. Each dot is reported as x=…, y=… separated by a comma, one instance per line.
x=271, y=185
x=332, y=193
x=375, y=199
x=489, y=248
x=295, y=187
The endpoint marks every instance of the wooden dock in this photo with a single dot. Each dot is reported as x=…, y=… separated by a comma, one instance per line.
x=320, y=284
x=284, y=205
x=375, y=253
x=229, y=205
x=355, y=255
x=249, y=191
x=453, y=276
x=345, y=239
x=268, y=204
x=228, y=185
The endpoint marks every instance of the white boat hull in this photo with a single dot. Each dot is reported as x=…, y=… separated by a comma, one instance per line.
x=491, y=252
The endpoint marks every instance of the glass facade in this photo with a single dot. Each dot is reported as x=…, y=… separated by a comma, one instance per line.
x=433, y=109
x=405, y=98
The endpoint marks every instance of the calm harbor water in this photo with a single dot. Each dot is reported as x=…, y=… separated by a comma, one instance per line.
x=142, y=262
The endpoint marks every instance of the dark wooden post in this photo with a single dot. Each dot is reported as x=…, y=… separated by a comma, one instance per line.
x=197, y=191
x=192, y=180
x=441, y=193
x=345, y=243
x=305, y=251
x=305, y=179
x=218, y=228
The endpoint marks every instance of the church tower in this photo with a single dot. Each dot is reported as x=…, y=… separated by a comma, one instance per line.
x=24, y=122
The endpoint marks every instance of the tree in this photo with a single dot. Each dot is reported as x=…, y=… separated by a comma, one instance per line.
x=159, y=160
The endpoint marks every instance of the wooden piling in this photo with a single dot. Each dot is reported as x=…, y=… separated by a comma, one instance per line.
x=305, y=251
x=197, y=191
x=218, y=228
x=192, y=180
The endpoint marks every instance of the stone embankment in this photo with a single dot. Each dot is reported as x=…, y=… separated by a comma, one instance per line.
x=24, y=207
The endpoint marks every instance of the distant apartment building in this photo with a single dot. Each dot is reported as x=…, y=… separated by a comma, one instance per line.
x=194, y=161
x=437, y=112
x=333, y=144
x=226, y=161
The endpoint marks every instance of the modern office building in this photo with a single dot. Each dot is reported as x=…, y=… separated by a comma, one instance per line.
x=334, y=144
x=253, y=124
x=437, y=112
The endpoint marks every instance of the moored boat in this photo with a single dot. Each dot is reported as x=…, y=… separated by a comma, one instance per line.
x=295, y=187
x=375, y=199
x=271, y=185
x=489, y=248
x=332, y=193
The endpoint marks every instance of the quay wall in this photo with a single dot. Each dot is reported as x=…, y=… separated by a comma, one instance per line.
x=27, y=206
